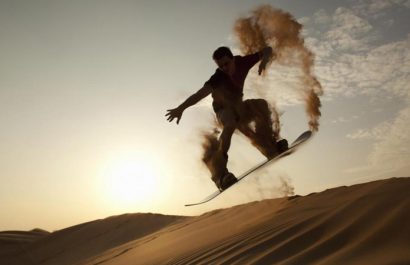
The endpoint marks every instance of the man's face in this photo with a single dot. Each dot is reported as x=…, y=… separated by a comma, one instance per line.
x=226, y=65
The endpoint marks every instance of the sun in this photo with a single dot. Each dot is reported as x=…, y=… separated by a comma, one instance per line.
x=131, y=181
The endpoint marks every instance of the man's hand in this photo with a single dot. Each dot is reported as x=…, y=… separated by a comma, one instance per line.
x=267, y=55
x=174, y=114
x=262, y=67
x=192, y=100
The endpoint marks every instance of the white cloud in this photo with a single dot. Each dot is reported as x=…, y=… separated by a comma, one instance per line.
x=358, y=65
x=345, y=120
x=360, y=134
x=344, y=21
x=375, y=9
x=393, y=148
x=376, y=133
x=378, y=5
x=321, y=17
x=390, y=155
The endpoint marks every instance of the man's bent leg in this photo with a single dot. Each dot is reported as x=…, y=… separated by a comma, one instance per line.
x=264, y=130
x=262, y=138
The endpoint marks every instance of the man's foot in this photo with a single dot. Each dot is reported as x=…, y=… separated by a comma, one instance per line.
x=282, y=145
x=226, y=181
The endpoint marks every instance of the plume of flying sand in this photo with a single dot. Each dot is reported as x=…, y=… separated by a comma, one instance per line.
x=286, y=188
x=276, y=122
x=267, y=188
x=210, y=145
x=268, y=26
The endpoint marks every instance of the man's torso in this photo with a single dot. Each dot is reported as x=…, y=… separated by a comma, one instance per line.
x=227, y=90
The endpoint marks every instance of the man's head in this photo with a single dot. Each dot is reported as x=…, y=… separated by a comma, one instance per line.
x=223, y=57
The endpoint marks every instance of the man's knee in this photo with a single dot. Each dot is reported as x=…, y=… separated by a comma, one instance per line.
x=262, y=105
x=258, y=107
x=228, y=118
x=257, y=102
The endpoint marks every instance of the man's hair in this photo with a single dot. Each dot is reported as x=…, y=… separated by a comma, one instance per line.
x=221, y=52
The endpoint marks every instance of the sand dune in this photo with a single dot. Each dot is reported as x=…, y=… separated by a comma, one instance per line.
x=13, y=242
x=361, y=224
x=77, y=243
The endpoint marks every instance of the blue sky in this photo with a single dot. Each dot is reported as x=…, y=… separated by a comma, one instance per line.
x=84, y=86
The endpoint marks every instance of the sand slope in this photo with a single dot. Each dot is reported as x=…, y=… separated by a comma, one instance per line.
x=77, y=243
x=14, y=242
x=361, y=224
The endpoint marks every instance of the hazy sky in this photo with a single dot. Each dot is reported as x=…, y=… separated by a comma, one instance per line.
x=84, y=87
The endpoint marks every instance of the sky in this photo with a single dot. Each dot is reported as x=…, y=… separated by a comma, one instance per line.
x=85, y=85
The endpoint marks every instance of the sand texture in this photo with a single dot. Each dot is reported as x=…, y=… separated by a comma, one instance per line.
x=362, y=224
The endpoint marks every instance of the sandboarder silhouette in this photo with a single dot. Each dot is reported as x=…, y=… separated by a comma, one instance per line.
x=232, y=112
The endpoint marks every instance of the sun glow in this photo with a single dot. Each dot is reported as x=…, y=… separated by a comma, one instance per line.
x=131, y=181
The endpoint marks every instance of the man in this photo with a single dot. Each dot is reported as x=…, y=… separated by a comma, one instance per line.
x=226, y=88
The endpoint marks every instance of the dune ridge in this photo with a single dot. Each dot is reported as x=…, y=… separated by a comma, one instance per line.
x=360, y=224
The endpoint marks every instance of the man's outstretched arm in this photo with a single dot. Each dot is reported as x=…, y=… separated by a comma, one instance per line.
x=192, y=100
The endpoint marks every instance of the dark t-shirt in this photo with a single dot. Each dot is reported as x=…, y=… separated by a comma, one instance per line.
x=227, y=91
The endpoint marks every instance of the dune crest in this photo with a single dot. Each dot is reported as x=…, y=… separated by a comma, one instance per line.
x=361, y=224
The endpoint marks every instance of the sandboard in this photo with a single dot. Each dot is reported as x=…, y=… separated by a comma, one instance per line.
x=292, y=148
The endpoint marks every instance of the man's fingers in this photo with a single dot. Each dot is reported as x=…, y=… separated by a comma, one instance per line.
x=171, y=118
x=172, y=114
